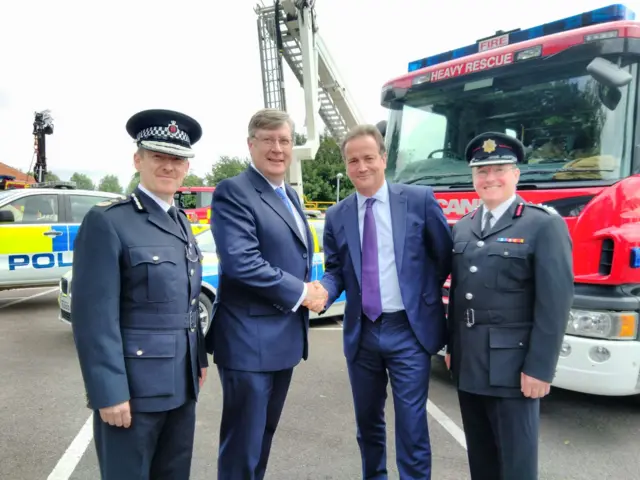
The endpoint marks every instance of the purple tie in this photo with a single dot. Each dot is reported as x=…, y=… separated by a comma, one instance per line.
x=371, y=301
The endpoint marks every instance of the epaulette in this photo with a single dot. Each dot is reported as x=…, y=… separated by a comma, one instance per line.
x=472, y=213
x=113, y=201
x=544, y=208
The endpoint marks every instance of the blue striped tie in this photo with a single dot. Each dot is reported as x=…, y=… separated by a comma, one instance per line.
x=283, y=197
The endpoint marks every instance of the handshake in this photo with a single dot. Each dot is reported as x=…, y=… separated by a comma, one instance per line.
x=316, y=298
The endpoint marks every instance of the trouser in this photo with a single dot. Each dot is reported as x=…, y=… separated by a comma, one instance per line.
x=157, y=446
x=502, y=436
x=390, y=350
x=251, y=408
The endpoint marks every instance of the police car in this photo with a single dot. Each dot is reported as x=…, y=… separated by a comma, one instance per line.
x=210, y=278
x=37, y=229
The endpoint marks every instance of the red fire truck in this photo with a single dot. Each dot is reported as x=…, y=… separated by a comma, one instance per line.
x=196, y=201
x=569, y=90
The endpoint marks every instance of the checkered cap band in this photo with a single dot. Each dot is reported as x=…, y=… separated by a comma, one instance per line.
x=163, y=133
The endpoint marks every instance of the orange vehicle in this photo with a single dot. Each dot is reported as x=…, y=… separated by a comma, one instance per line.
x=196, y=202
x=8, y=182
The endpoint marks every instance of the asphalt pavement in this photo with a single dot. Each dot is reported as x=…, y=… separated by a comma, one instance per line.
x=42, y=414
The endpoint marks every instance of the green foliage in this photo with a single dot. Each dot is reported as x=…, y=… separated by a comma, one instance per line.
x=83, y=182
x=192, y=180
x=319, y=176
x=110, y=183
x=226, y=167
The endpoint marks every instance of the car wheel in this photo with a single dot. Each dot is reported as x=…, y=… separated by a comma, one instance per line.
x=205, y=310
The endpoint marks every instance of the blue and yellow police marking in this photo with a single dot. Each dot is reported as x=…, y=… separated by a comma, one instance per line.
x=28, y=246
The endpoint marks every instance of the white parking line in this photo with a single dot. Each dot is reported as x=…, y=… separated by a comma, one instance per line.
x=69, y=461
x=24, y=299
x=449, y=425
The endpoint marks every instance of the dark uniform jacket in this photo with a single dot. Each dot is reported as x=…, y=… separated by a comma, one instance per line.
x=511, y=293
x=134, y=311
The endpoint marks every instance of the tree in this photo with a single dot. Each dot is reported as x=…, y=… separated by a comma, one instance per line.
x=49, y=177
x=83, y=181
x=193, y=180
x=226, y=167
x=110, y=183
x=133, y=183
x=320, y=175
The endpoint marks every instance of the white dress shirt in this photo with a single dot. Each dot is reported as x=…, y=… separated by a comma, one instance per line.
x=387, y=271
x=163, y=205
x=301, y=227
x=496, y=212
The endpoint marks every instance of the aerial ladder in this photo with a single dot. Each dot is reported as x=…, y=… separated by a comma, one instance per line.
x=288, y=30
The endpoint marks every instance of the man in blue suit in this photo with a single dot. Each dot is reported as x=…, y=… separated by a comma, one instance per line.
x=136, y=282
x=260, y=320
x=389, y=247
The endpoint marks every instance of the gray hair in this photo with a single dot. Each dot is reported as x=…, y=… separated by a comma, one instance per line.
x=365, y=131
x=269, y=119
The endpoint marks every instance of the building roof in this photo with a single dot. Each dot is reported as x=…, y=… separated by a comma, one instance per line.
x=8, y=170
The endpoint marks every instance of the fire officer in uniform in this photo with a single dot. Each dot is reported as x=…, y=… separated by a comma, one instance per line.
x=511, y=292
x=136, y=283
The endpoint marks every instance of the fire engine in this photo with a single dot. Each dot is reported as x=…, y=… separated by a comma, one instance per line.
x=569, y=91
x=196, y=202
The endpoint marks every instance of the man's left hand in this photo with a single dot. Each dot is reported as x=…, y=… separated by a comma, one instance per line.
x=532, y=387
x=203, y=376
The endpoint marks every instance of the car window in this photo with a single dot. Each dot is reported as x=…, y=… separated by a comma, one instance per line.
x=81, y=204
x=34, y=209
x=205, y=241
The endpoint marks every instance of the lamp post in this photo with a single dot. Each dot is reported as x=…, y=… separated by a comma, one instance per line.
x=338, y=177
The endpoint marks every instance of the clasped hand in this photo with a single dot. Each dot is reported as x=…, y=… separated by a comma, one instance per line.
x=316, y=298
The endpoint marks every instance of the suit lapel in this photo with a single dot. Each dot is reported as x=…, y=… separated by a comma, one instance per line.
x=159, y=217
x=398, y=204
x=293, y=196
x=506, y=220
x=270, y=197
x=351, y=226
x=476, y=222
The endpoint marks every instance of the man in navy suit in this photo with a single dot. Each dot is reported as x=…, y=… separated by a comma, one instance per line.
x=389, y=247
x=260, y=320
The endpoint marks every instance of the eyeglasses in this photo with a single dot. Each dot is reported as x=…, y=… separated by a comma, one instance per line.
x=271, y=142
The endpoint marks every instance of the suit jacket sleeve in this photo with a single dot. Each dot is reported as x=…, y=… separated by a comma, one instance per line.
x=553, y=270
x=95, y=311
x=440, y=239
x=235, y=232
x=332, y=279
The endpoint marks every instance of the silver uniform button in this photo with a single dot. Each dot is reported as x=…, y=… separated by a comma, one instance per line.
x=506, y=253
x=473, y=269
x=480, y=243
x=191, y=272
x=468, y=296
x=139, y=352
x=193, y=302
x=156, y=258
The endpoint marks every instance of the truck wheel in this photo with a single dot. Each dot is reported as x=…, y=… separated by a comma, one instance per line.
x=205, y=309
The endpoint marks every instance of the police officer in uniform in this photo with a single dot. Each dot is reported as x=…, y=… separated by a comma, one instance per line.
x=510, y=296
x=136, y=281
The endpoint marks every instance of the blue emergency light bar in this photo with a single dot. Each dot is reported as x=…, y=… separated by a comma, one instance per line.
x=635, y=257
x=612, y=13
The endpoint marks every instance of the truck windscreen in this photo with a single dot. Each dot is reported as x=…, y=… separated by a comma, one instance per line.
x=573, y=128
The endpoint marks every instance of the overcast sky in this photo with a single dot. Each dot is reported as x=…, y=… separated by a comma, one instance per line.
x=94, y=64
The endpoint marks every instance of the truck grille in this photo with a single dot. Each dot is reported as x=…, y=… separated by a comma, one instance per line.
x=606, y=257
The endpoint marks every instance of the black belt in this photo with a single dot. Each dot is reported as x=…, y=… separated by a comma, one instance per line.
x=473, y=317
x=161, y=321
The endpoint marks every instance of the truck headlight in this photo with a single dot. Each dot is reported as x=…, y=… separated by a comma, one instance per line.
x=609, y=325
